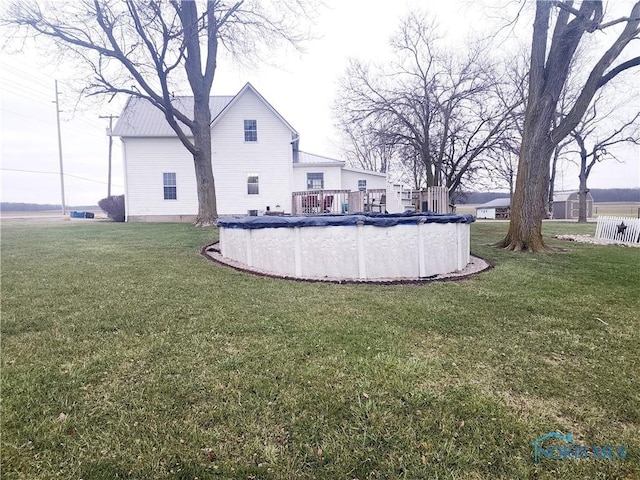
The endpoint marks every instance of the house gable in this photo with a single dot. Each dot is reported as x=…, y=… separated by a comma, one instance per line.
x=251, y=89
x=269, y=157
x=152, y=149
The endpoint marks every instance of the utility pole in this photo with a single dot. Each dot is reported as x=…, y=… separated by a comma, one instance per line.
x=64, y=209
x=109, y=131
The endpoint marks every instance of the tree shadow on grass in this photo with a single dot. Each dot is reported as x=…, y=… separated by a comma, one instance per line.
x=173, y=469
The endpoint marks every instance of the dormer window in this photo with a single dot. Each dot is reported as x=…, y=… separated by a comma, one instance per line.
x=250, y=131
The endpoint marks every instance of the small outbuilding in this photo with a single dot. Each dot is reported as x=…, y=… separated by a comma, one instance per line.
x=566, y=205
x=497, y=209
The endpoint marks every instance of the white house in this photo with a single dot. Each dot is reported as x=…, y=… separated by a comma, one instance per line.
x=255, y=157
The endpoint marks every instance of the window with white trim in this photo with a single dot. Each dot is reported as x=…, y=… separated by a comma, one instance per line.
x=250, y=131
x=362, y=185
x=315, y=181
x=170, y=186
x=253, y=184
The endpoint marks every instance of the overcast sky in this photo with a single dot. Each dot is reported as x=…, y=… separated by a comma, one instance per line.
x=303, y=90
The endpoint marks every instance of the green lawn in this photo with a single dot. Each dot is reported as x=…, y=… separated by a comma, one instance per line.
x=125, y=354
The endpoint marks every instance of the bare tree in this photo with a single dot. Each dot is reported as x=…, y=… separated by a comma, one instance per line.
x=596, y=138
x=499, y=170
x=146, y=49
x=552, y=51
x=367, y=147
x=500, y=167
x=412, y=171
x=432, y=105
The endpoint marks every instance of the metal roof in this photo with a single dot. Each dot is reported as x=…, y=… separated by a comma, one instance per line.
x=362, y=170
x=309, y=158
x=502, y=202
x=563, y=196
x=140, y=118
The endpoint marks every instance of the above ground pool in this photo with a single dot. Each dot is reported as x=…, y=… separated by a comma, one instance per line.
x=360, y=247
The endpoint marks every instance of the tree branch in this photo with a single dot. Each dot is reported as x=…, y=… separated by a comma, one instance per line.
x=634, y=62
x=592, y=84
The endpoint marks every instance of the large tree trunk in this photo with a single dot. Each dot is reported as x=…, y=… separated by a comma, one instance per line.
x=425, y=156
x=207, y=208
x=552, y=179
x=547, y=77
x=201, y=81
x=528, y=205
x=510, y=185
x=582, y=190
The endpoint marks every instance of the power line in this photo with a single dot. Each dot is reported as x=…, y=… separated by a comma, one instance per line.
x=29, y=117
x=66, y=127
x=56, y=173
x=30, y=95
x=39, y=97
x=8, y=67
x=76, y=118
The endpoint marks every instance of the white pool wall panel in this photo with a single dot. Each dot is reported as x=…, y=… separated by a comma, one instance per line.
x=351, y=252
x=329, y=252
x=391, y=252
x=273, y=250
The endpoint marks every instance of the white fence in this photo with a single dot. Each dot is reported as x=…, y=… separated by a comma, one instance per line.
x=619, y=229
x=438, y=199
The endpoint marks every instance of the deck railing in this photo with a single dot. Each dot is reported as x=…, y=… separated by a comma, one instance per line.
x=433, y=199
x=372, y=200
x=314, y=202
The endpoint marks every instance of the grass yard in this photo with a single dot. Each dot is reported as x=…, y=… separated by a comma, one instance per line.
x=616, y=209
x=127, y=355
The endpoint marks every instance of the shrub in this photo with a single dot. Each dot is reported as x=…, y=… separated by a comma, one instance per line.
x=113, y=206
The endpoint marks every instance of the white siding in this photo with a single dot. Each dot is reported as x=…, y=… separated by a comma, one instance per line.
x=270, y=158
x=332, y=177
x=233, y=159
x=486, y=213
x=350, y=180
x=146, y=160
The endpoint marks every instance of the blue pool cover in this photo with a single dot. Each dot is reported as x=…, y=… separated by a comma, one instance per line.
x=370, y=218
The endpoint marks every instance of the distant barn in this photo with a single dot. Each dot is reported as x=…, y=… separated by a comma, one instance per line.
x=565, y=205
